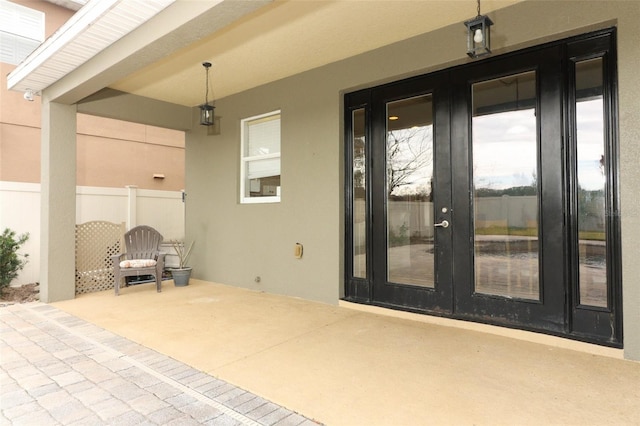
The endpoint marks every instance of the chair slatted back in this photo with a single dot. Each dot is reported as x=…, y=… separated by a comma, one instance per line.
x=142, y=242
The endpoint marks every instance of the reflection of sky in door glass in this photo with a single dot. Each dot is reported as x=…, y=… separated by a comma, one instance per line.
x=502, y=160
x=589, y=123
x=504, y=149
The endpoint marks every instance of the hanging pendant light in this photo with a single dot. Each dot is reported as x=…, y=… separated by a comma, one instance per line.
x=478, y=35
x=206, y=110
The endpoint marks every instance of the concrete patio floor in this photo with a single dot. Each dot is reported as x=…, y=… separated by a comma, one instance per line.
x=343, y=366
x=57, y=369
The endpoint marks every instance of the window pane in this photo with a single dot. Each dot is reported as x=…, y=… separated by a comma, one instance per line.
x=262, y=168
x=359, y=178
x=409, y=192
x=21, y=21
x=268, y=186
x=264, y=137
x=21, y=31
x=505, y=187
x=261, y=158
x=591, y=184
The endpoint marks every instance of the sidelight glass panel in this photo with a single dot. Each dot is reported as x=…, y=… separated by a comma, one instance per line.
x=359, y=179
x=410, y=236
x=591, y=161
x=505, y=187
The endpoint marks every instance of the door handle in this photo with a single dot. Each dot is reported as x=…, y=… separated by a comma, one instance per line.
x=443, y=224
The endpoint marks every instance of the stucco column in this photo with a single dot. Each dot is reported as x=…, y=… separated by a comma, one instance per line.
x=629, y=123
x=58, y=202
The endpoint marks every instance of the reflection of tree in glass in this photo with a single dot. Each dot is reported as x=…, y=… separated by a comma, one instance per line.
x=359, y=166
x=514, y=191
x=591, y=214
x=409, y=160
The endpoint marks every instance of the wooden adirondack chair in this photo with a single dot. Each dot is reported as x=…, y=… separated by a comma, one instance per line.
x=142, y=256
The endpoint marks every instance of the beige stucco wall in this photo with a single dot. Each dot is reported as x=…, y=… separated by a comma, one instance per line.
x=110, y=153
x=235, y=243
x=20, y=120
x=114, y=153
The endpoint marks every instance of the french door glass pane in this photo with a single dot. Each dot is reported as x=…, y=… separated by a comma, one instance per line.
x=591, y=183
x=409, y=191
x=505, y=187
x=359, y=180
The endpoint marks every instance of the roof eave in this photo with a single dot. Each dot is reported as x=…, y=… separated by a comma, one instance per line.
x=92, y=29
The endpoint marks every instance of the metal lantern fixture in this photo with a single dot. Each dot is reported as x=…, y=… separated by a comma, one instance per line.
x=206, y=110
x=478, y=35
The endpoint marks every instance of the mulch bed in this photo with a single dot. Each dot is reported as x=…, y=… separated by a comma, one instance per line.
x=22, y=294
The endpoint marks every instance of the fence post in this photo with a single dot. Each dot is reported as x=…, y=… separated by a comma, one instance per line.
x=132, y=203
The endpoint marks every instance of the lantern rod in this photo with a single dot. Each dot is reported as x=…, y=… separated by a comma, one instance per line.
x=206, y=65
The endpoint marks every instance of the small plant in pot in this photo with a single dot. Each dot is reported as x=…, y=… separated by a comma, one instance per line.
x=182, y=273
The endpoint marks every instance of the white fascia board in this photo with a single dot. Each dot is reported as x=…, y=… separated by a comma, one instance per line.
x=86, y=16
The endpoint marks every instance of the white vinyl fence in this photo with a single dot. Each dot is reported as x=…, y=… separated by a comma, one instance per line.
x=20, y=211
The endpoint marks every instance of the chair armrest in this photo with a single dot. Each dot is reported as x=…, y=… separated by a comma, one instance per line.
x=116, y=262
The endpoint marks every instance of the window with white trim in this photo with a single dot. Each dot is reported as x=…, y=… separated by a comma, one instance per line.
x=260, y=159
x=21, y=31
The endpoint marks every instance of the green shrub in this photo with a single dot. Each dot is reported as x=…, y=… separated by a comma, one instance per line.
x=11, y=262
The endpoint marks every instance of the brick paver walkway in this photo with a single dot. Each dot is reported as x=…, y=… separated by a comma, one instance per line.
x=56, y=369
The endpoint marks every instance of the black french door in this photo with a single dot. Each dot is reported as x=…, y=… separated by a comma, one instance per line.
x=506, y=140
x=411, y=254
x=484, y=192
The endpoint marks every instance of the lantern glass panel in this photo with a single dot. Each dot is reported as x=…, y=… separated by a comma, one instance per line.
x=482, y=46
x=206, y=115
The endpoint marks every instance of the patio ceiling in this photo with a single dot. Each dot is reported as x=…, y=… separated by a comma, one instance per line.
x=267, y=42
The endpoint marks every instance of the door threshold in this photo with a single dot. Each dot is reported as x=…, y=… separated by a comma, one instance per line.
x=527, y=336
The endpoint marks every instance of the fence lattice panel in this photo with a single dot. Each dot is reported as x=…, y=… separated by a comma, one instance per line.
x=96, y=242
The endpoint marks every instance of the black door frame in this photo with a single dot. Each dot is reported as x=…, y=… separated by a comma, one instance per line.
x=565, y=317
x=587, y=322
